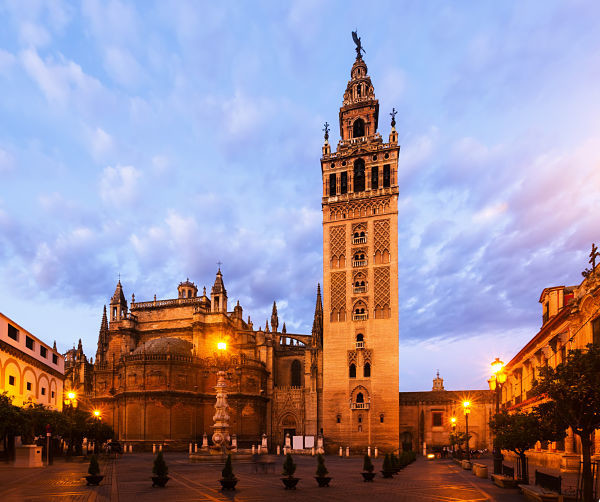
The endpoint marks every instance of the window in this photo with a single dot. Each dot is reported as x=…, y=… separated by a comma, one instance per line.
x=381, y=418
x=114, y=312
x=358, y=129
x=28, y=385
x=296, y=379
x=437, y=417
x=360, y=419
x=339, y=419
x=43, y=391
x=374, y=177
x=360, y=398
x=360, y=337
x=29, y=342
x=596, y=331
x=54, y=359
x=52, y=394
x=367, y=370
x=344, y=183
x=332, y=186
x=13, y=333
x=360, y=342
x=11, y=380
x=43, y=351
x=386, y=176
x=359, y=175
x=352, y=371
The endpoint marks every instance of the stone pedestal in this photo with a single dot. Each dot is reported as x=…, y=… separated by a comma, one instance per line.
x=220, y=435
x=204, y=441
x=569, y=462
x=233, y=442
x=264, y=447
x=28, y=456
x=320, y=448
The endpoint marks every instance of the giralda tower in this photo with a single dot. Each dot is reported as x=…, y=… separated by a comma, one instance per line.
x=360, y=274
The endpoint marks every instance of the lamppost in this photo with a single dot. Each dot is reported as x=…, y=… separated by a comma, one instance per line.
x=453, y=425
x=98, y=416
x=70, y=403
x=467, y=407
x=496, y=382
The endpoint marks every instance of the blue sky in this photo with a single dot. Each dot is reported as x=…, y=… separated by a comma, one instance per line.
x=153, y=139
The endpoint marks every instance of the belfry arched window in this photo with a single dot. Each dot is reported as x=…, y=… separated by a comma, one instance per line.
x=358, y=129
x=296, y=376
x=360, y=398
x=352, y=371
x=367, y=370
x=359, y=175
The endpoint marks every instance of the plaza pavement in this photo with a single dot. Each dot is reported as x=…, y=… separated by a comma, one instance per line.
x=127, y=479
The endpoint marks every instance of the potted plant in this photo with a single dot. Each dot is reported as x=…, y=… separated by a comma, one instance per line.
x=387, y=469
x=395, y=463
x=322, y=472
x=160, y=471
x=228, y=481
x=368, y=469
x=94, y=477
x=289, y=468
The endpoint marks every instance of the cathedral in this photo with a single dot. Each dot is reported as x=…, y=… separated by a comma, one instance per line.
x=156, y=364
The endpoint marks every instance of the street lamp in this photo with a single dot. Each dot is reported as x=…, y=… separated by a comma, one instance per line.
x=453, y=425
x=221, y=437
x=97, y=414
x=467, y=407
x=496, y=382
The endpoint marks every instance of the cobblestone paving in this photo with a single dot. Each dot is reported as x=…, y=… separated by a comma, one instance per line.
x=128, y=479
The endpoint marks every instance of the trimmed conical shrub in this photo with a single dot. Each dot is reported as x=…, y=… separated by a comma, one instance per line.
x=321, y=469
x=289, y=467
x=227, y=471
x=368, y=465
x=94, y=468
x=160, y=468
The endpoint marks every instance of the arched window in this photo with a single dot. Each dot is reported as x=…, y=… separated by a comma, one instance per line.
x=296, y=380
x=358, y=129
x=360, y=398
x=374, y=177
x=352, y=372
x=332, y=185
x=367, y=370
x=360, y=337
x=359, y=175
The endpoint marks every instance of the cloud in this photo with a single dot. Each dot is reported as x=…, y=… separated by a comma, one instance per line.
x=7, y=161
x=34, y=35
x=101, y=142
x=122, y=66
x=119, y=185
x=7, y=61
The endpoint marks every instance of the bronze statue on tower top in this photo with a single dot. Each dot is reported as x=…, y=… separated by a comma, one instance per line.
x=359, y=47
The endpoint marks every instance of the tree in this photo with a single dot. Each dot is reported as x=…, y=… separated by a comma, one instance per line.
x=573, y=390
x=9, y=420
x=518, y=432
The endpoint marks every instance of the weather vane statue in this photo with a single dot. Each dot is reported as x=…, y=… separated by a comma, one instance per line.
x=326, y=129
x=359, y=47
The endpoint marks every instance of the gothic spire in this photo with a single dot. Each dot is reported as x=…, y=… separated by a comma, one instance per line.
x=317, y=329
x=102, y=337
x=274, y=318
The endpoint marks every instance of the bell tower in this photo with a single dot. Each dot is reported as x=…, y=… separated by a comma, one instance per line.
x=360, y=274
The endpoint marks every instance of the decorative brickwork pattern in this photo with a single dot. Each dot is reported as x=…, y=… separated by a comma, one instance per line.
x=337, y=240
x=381, y=231
x=366, y=356
x=352, y=357
x=359, y=208
x=381, y=288
x=338, y=291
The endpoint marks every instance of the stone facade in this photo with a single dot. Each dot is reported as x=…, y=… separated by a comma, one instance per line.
x=31, y=372
x=570, y=320
x=360, y=275
x=155, y=371
x=425, y=417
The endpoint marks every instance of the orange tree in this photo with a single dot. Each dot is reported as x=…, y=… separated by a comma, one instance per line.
x=573, y=392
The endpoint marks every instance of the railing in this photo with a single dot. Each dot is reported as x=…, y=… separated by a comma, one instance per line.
x=547, y=481
x=359, y=263
x=508, y=471
x=360, y=289
x=359, y=317
x=360, y=406
x=165, y=303
x=360, y=345
x=359, y=240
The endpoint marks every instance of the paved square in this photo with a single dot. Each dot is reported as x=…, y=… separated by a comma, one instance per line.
x=127, y=479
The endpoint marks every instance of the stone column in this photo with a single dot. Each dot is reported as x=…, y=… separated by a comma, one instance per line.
x=569, y=462
x=221, y=436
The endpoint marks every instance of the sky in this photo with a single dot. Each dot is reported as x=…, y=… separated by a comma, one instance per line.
x=155, y=139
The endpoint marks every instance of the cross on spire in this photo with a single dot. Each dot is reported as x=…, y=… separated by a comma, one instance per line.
x=219, y=263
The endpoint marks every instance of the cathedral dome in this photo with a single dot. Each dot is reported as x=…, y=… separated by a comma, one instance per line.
x=165, y=345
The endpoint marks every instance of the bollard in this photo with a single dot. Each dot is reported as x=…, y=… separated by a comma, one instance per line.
x=341, y=452
x=195, y=447
x=312, y=451
x=160, y=447
x=347, y=451
x=253, y=449
x=190, y=448
x=376, y=452
x=130, y=448
x=369, y=451
x=278, y=450
x=153, y=448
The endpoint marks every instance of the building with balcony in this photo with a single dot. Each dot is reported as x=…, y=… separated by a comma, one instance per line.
x=570, y=320
x=31, y=371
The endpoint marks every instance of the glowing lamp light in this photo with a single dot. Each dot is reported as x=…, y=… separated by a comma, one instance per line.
x=453, y=421
x=222, y=346
x=71, y=395
x=466, y=405
x=497, y=366
x=97, y=413
x=430, y=456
